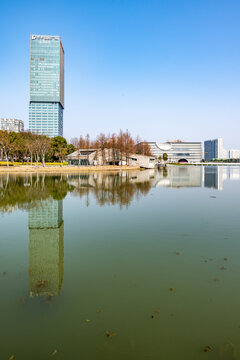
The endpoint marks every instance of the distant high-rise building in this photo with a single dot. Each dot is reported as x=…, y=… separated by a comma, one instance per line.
x=213, y=149
x=11, y=125
x=234, y=154
x=46, y=85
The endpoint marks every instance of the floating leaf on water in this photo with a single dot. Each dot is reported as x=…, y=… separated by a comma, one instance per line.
x=12, y=357
x=171, y=289
x=223, y=268
x=172, y=315
x=54, y=352
x=157, y=311
x=108, y=334
x=87, y=320
x=99, y=310
x=207, y=348
x=216, y=279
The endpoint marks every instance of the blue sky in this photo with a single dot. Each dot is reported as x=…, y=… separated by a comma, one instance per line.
x=161, y=69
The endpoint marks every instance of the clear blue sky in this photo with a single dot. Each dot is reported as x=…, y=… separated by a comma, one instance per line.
x=163, y=69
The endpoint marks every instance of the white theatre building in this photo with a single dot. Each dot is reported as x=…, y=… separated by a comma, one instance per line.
x=177, y=150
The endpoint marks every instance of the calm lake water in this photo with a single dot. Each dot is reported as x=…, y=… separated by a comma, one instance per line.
x=137, y=265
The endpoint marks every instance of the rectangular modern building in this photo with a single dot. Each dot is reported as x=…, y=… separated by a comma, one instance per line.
x=46, y=85
x=213, y=149
x=234, y=154
x=15, y=125
x=178, y=150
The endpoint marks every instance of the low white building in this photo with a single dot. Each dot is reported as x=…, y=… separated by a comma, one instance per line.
x=85, y=157
x=177, y=151
x=7, y=124
x=143, y=161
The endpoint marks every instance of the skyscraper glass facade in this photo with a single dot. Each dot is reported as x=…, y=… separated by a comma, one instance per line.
x=46, y=118
x=213, y=149
x=46, y=85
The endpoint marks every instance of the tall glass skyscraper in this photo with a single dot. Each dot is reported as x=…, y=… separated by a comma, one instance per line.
x=213, y=149
x=46, y=85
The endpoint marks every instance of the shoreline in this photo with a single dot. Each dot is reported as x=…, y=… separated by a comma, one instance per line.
x=64, y=169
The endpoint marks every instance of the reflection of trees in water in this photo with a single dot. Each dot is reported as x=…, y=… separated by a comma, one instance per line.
x=110, y=189
x=24, y=192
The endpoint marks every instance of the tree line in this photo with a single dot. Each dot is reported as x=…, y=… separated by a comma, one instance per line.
x=29, y=147
x=122, y=142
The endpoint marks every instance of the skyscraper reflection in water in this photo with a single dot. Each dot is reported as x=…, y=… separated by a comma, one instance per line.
x=214, y=177
x=46, y=233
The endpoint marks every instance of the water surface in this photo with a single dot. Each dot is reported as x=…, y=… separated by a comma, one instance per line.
x=150, y=258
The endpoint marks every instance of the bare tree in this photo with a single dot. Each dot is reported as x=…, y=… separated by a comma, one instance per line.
x=128, y=145
x=5, y=144
x=37, y=148
x=74, y=142
x=102, y=140
x=44, y=148
x=87, y=146
x=120, y=144
x=113, y=146
x=142, y=147
x=62, y=154
x=31, y=148
x=81, y=143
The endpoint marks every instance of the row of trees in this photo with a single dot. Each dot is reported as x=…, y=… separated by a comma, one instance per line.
x=122, y=142
x=26, y=146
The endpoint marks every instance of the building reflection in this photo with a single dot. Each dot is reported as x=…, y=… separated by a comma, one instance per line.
x=46, y=237
x=214, y=177
x=234, y=173
x=180, y=176
x=111, y=188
